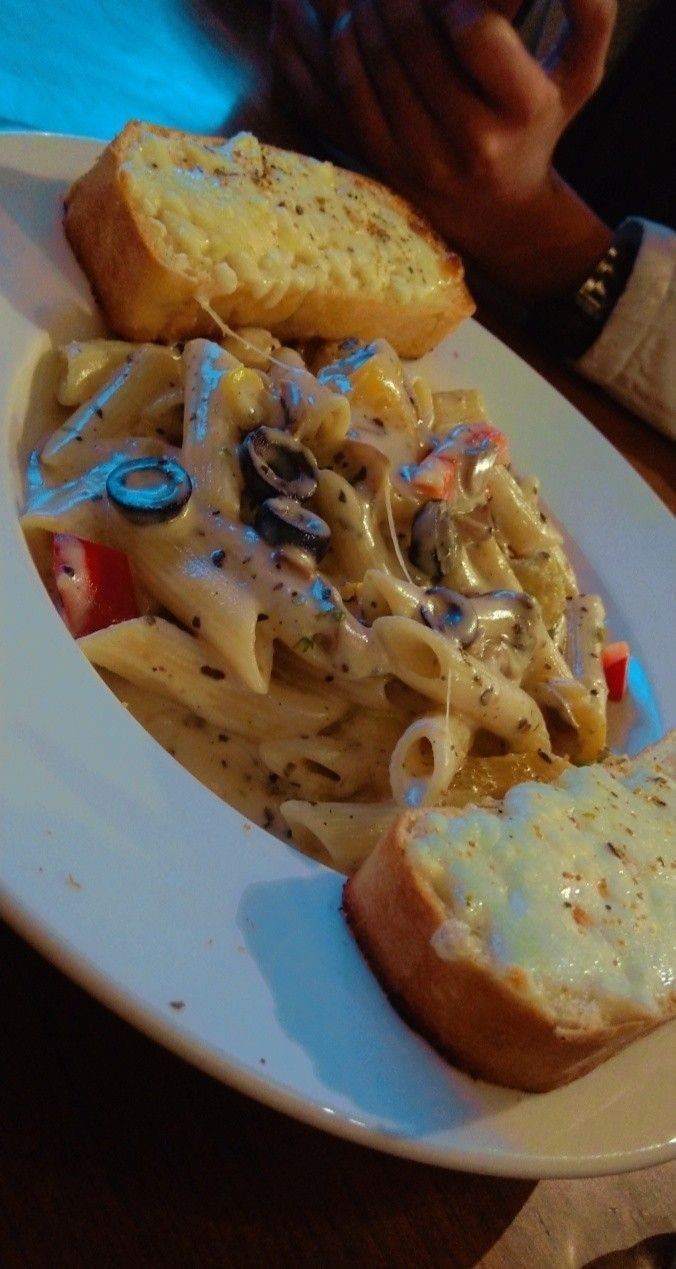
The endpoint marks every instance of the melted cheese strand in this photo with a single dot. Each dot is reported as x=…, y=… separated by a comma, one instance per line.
x=233, y=334
x=393, y=532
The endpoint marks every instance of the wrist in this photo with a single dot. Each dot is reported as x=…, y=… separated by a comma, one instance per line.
x=544, y=247
x=571, y=323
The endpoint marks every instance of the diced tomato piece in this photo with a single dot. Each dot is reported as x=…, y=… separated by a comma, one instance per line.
x=615, y=662
x=94, y=584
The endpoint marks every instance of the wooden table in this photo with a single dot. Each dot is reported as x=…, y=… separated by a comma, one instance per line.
x=115, y=1153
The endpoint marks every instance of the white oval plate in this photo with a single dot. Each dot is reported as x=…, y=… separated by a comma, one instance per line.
x=200, y=929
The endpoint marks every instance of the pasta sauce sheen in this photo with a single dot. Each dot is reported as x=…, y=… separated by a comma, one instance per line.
x=406, y=630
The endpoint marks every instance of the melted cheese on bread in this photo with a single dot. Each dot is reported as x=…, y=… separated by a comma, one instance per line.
x=239, y=211
x=172, y=229
x=569, y=889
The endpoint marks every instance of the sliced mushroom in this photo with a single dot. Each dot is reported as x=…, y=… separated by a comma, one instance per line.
x=451, y=613
x=434, y=540
x=283, y=522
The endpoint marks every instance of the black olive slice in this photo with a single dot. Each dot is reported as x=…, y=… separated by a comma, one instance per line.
x=434, y=540
x=283, y=522
x=275, y=464
x=149, y=490
x=451, y=613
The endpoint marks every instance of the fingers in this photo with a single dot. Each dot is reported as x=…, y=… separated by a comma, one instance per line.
x=417, y=127
x=583, y=52
x=299, y=22
x=301, y=90
x=491, y=53
x=303, y=72
x=412, y=125
x=327, y=10
x=431, y=66
x=359, y=99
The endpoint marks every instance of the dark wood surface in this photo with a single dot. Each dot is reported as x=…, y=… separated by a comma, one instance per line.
x=115, y=1153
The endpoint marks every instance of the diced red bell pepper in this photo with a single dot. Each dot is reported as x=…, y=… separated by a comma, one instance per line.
x=476, y=434
x=94, y=584
x=615, y=662
x=436, y=475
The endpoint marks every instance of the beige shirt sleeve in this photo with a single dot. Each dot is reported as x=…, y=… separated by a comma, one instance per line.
x=634, y=358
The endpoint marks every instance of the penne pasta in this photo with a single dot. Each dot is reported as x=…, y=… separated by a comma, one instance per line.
x=155, y=654
x=456, y=406
x=426, y=758
x=210, y=424
x=86, y=365
x=226, y=763
x=78, y=504
x=367, y=612
x=115, y=409
x=356, y=543
x=344, y=833
x=427, y=662
x=521, y=523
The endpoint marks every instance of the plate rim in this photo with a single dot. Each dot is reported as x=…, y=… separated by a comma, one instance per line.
x=49, y=943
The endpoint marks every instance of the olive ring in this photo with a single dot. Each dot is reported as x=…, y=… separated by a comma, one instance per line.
x=150, y=501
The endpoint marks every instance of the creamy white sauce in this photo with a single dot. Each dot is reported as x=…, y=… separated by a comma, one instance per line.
x=216, y=575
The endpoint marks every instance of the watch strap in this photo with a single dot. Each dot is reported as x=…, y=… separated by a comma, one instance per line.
x=569, y=324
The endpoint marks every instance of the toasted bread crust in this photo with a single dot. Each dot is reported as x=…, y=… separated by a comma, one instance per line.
x=143, y=298
x=470, y=1016
x=485, y=1024
x=140, y=295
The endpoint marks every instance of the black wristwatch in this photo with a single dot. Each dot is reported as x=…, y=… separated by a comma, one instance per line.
x=569, y=324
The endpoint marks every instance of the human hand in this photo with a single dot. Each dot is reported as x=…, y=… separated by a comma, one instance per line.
x=303, y=68
x=444, y=103
x=451, y=109
x=303, y=71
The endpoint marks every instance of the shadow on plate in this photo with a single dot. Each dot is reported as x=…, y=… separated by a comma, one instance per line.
x=377, y=1065
x=33, y=244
